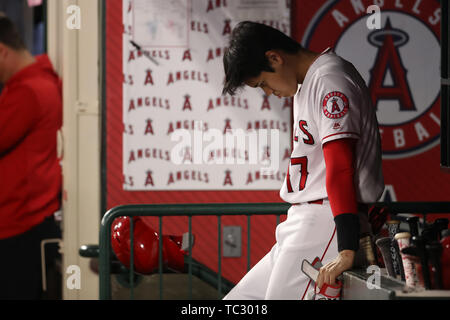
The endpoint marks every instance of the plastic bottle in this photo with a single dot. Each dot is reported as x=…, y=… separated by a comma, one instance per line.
x=445, y=260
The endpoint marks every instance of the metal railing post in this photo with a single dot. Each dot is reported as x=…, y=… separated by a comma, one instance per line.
x=190, y=257
x=160, y=259
x=219, y=249
x=131, y=258
x=248, y=242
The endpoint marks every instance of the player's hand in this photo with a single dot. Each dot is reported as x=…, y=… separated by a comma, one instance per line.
x=329, y=272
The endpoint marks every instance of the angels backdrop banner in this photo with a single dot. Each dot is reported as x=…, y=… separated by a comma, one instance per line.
x=180, y=132
x=399, y=58
x=166, y=121
x=173, y=85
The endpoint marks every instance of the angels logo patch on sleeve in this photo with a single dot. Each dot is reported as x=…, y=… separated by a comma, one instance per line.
x=335, y=105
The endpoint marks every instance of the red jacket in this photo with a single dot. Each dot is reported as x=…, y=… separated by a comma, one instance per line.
x=30, y=173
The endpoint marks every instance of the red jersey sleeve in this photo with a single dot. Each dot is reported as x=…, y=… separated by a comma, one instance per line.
x=339, y=161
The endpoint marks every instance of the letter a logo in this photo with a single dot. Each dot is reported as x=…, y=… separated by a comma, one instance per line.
x=74, y=20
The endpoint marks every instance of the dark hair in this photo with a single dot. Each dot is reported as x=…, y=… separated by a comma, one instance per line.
x=9, y=35
x=245, y=56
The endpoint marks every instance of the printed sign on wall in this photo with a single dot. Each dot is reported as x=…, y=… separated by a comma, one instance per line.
x=180, y=132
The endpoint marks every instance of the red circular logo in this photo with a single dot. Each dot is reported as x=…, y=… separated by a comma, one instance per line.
x=335, y=105
x=405, y=93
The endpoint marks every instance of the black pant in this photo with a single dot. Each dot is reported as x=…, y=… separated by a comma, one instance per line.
x=20, y=261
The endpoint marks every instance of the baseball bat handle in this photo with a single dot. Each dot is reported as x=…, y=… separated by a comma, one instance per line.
x=413, y=223
x=420, y=244
x=384, y=244
x=435, y=253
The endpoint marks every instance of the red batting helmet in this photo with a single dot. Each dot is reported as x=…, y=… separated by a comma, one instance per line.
x=146, y=242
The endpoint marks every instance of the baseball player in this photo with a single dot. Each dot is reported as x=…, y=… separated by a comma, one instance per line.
x=335, y=163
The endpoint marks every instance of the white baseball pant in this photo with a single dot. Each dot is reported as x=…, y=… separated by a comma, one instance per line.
x=308, y=232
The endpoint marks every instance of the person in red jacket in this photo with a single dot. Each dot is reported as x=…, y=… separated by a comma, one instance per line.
x=30, y=172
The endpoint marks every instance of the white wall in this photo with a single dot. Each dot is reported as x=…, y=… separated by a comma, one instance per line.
x=76, y=56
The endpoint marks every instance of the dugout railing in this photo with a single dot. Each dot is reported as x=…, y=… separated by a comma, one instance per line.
x=105, y=254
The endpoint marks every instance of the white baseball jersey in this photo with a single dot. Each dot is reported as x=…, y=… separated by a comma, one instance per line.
x=332, y=103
